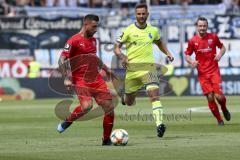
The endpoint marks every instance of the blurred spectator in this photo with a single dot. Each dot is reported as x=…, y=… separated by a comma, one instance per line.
x=199, y=2
x=21, y=3
x=37, y=3
x=49, y=3
x=227, y=4
x=236, y=6
x=214, y=1
x=160, y=2
x=83, y=3
x=183, y=2
x=108, y=3
x=60, y=3
x=72, y=3
x=96, y=3
x=230, y=6
x=34, y=69
x=4, y=7
x=11, y=2
x=128, y=3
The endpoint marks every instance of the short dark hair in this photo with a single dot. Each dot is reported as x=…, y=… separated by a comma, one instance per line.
x=141, y=5
x=91, y=17
x=201, y=19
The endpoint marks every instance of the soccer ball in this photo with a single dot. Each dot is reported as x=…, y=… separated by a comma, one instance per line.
x=119, y=137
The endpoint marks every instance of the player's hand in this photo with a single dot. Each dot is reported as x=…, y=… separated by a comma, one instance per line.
x=218, y=57
x=68, y=84
x=124, y=60
x=194, y=64
x=170, y=57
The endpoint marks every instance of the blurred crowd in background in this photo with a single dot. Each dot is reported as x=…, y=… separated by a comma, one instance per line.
x=7, y=7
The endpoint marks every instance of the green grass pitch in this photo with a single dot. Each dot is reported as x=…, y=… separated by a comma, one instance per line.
x=28, y=132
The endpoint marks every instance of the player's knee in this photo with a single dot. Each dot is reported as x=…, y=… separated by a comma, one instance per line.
x=210, y=97
x=153, y=99
x=153, y=92
x=111, y=113
x=219, y=96
x=130, y=102
x=107, y=106
x=87, y=106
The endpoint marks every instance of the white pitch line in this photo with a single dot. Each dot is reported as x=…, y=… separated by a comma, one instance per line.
x=205, y=109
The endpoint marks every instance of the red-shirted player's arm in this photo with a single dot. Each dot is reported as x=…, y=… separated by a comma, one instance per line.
x=188, y=54
x=64, y=62
x=189, y=50
x=220, y=45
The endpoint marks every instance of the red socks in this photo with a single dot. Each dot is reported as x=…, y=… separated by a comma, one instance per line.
x=107, y=125
x=108, y=121
x=77, y=113
x=214, y=108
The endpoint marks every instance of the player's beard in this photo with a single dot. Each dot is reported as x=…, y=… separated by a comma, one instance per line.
x=142, y=21
x=90, y=33
x=202, y=32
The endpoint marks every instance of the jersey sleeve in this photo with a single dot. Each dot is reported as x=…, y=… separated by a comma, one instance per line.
x=157, y=35
x=217, y=41
x=123, y=36
x=189, y=49
x=68, y=48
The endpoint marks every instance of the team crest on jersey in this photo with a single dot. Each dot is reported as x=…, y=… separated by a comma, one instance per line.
x=67, y=47
x=210, y=41
x=81, y=44
x=150, y=35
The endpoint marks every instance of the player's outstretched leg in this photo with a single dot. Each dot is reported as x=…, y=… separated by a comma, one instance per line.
x=158, y=117
x=222, y=101
x=214, y=108
x=153, y=93
x=63, y=126
x=108, y=121
x=78, y=112
x=107, y=128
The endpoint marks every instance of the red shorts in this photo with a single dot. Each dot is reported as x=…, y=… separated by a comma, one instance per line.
x=97, y=90
x=211, y=83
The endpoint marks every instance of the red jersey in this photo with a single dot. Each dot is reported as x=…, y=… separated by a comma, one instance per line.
x=205, y=51
x=83, y=59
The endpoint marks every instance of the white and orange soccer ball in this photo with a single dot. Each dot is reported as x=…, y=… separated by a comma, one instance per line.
x=119, y=137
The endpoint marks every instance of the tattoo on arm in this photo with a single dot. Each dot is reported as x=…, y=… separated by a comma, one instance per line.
x=65, y=67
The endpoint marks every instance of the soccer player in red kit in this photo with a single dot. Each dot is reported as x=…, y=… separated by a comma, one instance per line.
x=80, y=66
x=204, y=44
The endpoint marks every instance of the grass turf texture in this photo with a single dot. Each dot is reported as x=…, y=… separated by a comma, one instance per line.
x=28, y=132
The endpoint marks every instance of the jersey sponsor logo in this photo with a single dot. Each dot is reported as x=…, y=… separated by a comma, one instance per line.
x=67, y=47
x=196, y=44
x=205, y=50
x=210, y=41
x=150, y=35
